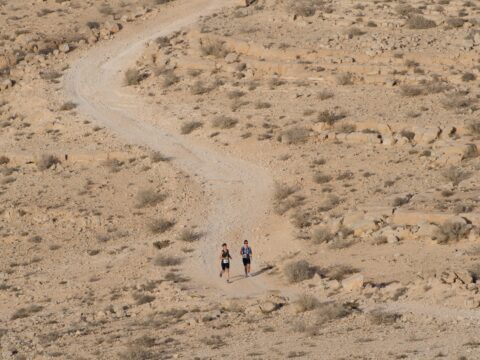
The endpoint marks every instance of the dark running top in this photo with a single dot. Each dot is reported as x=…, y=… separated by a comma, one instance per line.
x=226, y=256
x=246, y=252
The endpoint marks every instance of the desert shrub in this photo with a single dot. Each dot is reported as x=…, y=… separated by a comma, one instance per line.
x=283, y=206
x=455, y=22
x=68, y=106
x=149, y=197
x=295, y=135
x=235, y=94
x=322, y=235
x=344, y=79
x=418, y=22
x=474, y=128
x=338, y=272
x=470, y=152
x=354, y=31
x=165, y=260
x=26, y=312
x=455, y=175
x=199, y=88
x=410, y=135
x=159, y=226
x=347, y=128
x=161, y=244
x=457, y=101
x=451, y=231
x=381, y=317
x=399, y=201
x=320, y=178
x=380, y=240
x=411, y=90
x=340, y=243
x=468, y=77
x=50, y=75
x=135, y=352
x=46, y=161
x=329, y=311
x=262, y=105
x=306, y=302
x=405, y=10
x=113, y=165
x=275, y=81
x=329, y=117
x=141, y=299
x=157, y=156
x=189, y=126
x=329, y=203
x=169, y=79
x=325, y=94
x=224, y=122
x=281, y=192
x=303, y=8
x=189, y=235
x=299, y=271
x=301, y=219
x=213, y=47
x=132, y=77
x=4, y=160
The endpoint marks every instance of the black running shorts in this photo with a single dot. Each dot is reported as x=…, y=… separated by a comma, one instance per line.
x=225, y=265
x=246, y=261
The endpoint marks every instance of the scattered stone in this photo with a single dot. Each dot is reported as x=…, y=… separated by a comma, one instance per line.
x=353, y=282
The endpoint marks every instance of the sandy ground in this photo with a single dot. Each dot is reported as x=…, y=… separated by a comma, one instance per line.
x=322, y=132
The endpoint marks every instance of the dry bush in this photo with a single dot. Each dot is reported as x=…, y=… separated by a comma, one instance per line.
x=418, y=22
x=161, y=244
x=353, y=32
x=262, y=105
x=399, y=201
x=26, y=312
x=329, y=311
x=338, y=272
x=299, y=271
x=455, y=22
x=455, y=175
x=190, y=126
x=329, y=117
x=468, y=77
x=347, y=128
x=344, y=79
x=320, y=178
x=281, y=192
x=157, y=156
x=135, y=352
x=169, y=79
x=406, y=10
x=141, y=299
x=224, y=122
x=159, y=226
x=381, y=317
x=451, y=231
x=306, y=302
x=410, y=135
x=4, y=160
x=380, y=240
x=411, y=90
x=329, y=203
x=164, y=260
x=149, y=197
x=474, y=128
x=113, y=165
x=301, y=219
x=457, y=102
x=46, y=161
x=325, y=94
x=132, y=77
x=189, y=235
x=322, y=235
x=67, y=106
x=340, y=243
x=295, y=135
x=235, y=94
x=283, y=206
x=213, y=47
x=214, y=341
x=199, y=88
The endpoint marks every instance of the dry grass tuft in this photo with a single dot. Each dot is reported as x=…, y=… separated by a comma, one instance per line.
x=224, y=122
x=26, y=312
x=380, y=317
x=132, y=77
x=322, y=235
x=295, y=136
x=299, y=271
x=189, y=235
x=159, y=226
x=450, y=232
x=344, y=79
x=68, y=106
x=46, y=161
x=190, y=126
x=418, y=22
x=329, y=117
x=455, y=175
x=213, y=47
x=164, y=260
x=149, y=197
x=306, y=302
x=331, y=311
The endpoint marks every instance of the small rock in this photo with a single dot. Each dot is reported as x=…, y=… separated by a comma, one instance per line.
x=64, y=48
x=353, y=282
x=269, y=307
x=231, y=58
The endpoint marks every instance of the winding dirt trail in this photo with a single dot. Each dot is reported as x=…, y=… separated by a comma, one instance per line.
x=239, y=192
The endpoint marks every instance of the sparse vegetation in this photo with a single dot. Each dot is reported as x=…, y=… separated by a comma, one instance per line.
x=299, y=271
x=190, y=126
x=213, y=47
x=149, y=197
x=46, y=161
x=164, y=260
x=455, y=175
x=450, y=232
x=295, y=135
x=159, y=226
x=189, y=235
x=380, y=317
x=306, y=302
x=132, y=77
x=418, y=22
x=224, y=122
x=26, y=312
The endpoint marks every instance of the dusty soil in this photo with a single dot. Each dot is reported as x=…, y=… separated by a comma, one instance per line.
x=341, y=138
